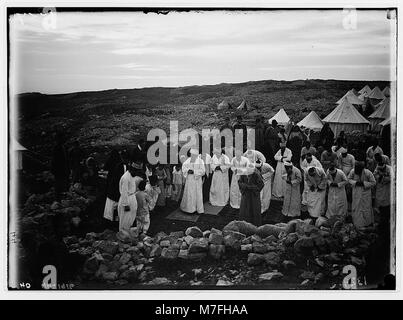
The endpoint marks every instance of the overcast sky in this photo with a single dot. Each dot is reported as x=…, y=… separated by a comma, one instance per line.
x=96, y=51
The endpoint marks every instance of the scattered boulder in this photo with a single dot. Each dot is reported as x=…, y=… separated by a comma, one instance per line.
x=194, y=232
x=255, y=259
x=269, y=276
x=198, y=245
x=216, y=238
x=244, y=227
x=269, y=230
x=216, y=251
x=169, y=253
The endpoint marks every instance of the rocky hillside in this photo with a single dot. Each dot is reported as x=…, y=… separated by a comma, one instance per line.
x=117, y=118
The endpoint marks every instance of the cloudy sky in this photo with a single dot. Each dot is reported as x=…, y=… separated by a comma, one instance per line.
x=95, y=51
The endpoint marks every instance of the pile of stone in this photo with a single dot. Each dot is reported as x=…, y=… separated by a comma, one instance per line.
x=315, y=251
x=41, y=210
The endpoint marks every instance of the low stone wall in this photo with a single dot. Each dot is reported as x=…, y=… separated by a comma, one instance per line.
x=127, y=258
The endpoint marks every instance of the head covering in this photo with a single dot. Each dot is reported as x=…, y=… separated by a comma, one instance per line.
x=282, y=144
x=194, y=151
x=343, y=150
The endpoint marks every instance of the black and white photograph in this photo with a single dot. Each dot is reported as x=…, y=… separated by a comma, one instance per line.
x=201, y=148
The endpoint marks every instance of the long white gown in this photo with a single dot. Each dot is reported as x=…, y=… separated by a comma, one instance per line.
x=337, y=197
x=315, y=200
x=362, y=211
x=235, y=194
x=192, y=199
x=267, y=172
x=127, y=189
x=279, y=183
x=219, y=190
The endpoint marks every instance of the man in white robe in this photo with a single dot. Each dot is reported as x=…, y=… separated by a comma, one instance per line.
x=238, y=166
x=267, y=173
x=371, y=151
x=193, y=170
x=282, y=155
x=315, y=188
x=346, y=161
x=337, y=197
x=362, y=180
x=219, y=190
x=127, y=205
x=292, y=191
x=254, y=156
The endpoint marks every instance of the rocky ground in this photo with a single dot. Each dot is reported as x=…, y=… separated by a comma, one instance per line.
x=217, y=251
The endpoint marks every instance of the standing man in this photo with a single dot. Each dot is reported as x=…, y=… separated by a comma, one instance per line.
x=282, y=155
x=76, y=155
x=362, y=180
x=315, y=188
x=250, y=185
x=292, y=190
x=328, y=157
x=272, y=142
x=267, y=173
x=310, y=161
x=239, y=125
x=219, y=190
x=337, y=198
x=370, y=154
x=127, y=206
x=193, y=170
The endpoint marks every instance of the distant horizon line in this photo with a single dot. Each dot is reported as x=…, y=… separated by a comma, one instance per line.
x=196, y=85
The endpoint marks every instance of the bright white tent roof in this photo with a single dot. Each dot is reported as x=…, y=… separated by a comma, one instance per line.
x=386, y=92
x=16, y=146
x=376, y=93
x=311, y=121
x=366, y=90
x=351, y=97
x=281, y=117
x=383, y=110
x=345, y=117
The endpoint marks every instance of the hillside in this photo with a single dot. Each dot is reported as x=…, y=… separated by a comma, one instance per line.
x=117, y=118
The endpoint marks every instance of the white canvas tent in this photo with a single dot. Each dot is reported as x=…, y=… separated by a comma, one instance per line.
x=281, y=117
x=17, y=150
x=352, y=98
x=345, y=117
x=386, y=91
x=380, y=114
x=311, y=121
x=366, y=90
x=224, y=105
x=376, y=93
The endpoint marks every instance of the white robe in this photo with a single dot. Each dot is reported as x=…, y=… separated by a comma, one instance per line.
x=304, y=167
x=219, y=190
x=362, y=211
x=279, y=183
x=127, y=189
x=315, y=200
x=337, y=197
x=254, y=156
x=314, y=163
x=192, y=199
x=235, y=194
x=267, y=172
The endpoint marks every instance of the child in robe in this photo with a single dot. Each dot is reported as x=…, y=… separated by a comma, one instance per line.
x=177, y=180
x=168, y=181
x=143, y=211
x=161, y=177
x=153, y=191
